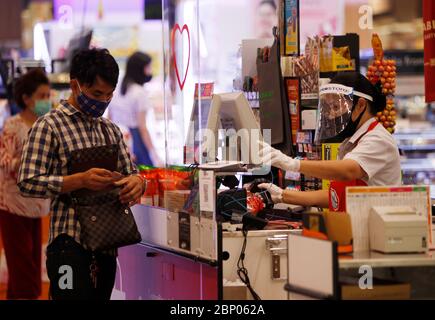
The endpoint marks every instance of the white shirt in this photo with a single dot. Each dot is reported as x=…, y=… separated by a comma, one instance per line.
x=124, y=109
x=377, y=154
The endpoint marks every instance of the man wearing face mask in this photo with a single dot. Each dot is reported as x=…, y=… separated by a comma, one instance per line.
x=368, y=154
x=47, y=171
x=130, y=107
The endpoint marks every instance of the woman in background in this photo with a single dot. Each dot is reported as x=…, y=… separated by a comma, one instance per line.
x=266, y=19
x=20, y=218
x=130, y=105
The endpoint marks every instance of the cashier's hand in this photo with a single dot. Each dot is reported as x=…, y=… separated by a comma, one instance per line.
x=275, y=191
x=132, y=189
x=276, y=158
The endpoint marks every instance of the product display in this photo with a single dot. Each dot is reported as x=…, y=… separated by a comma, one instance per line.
x=162, y=181
x=383, y=72
x=306, y=67
x=151, y=194
x=175, y=200
x=333, y=58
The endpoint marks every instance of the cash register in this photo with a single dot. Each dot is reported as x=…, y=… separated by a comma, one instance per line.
x=397, y=230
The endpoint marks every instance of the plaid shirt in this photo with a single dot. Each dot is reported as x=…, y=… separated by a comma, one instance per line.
x=45, y=158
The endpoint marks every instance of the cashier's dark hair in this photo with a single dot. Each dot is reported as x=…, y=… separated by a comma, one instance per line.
x=360, y=83
x=90, y=63
x=27, y=84
x=134, y=72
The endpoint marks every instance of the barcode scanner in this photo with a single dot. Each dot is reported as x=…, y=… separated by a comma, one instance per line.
x=253, y=188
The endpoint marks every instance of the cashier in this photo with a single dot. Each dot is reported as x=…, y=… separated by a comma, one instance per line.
x=368, y=154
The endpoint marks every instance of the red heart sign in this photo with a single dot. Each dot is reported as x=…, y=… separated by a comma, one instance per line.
x=174, y=56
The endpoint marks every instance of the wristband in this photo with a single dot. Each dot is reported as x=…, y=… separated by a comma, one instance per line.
x=144, y=183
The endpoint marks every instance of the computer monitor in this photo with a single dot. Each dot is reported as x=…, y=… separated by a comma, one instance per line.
x=232, y=131
x=79, y=42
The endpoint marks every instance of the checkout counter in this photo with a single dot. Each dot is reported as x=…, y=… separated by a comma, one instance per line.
x=190, y=257
x=206, y=253
x=201, y=249
x=195, y=257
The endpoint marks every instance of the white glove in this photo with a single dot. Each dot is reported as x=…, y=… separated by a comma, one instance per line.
x=275, y=191
x=278, y=159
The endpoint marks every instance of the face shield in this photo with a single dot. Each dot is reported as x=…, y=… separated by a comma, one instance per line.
x=335, y=111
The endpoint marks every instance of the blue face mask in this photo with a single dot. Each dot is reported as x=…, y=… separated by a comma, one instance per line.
x=42, y=107
x=91, y=107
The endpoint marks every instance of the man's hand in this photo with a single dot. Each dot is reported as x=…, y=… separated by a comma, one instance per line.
x=132, y=189
x=97, y=179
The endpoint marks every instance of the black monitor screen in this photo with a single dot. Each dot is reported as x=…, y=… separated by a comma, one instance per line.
x=153, y=10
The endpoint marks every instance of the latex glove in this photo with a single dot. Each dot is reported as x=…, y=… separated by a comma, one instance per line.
x=278, y=159
x=275, y=191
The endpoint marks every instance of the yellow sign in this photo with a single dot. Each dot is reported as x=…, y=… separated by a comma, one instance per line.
x=329, y=152
x=291, y=27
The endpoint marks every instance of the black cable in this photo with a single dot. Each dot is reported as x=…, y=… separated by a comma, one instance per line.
x=242, y=272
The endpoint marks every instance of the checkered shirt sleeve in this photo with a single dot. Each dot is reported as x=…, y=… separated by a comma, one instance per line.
x=34, y=177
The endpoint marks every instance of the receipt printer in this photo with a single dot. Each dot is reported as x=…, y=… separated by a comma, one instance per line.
x=397, y=230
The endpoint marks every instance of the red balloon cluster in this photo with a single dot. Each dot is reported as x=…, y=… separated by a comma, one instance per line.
x=385, y=72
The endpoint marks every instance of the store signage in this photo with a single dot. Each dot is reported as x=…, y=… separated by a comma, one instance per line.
x=293, y=95
x=179, y=31
x=291, y=27
x=408, y=62
x=429, y=48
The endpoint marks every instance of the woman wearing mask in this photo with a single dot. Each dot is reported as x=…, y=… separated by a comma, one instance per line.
x=130, y=105
x=20, y=218
x=368, y=154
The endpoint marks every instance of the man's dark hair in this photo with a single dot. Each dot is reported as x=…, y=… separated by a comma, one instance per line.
x=360, y=83
x=27, y=84
x=89, y=64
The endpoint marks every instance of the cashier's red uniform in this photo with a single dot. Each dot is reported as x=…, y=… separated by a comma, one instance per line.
x=376, y=151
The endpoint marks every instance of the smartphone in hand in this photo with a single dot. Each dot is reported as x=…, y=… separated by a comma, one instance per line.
x=116, y=176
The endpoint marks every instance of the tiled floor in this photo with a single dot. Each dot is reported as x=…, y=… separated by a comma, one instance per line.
x=44, y=295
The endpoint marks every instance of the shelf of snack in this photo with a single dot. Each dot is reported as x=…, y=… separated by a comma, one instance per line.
x=418, y=157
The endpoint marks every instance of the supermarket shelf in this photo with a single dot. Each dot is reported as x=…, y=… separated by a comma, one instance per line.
x=418, y=165
x=425, y=147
